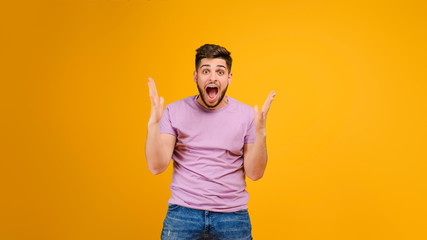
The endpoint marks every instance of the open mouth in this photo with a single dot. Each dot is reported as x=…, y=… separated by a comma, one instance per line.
x=212, y=92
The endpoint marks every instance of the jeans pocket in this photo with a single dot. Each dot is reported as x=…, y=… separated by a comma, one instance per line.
x=242, y=212
x=173, y=207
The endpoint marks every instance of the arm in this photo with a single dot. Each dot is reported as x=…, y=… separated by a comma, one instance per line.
x=158, y=147
x=255, y=154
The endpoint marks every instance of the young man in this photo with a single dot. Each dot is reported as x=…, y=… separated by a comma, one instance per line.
x=214, y=141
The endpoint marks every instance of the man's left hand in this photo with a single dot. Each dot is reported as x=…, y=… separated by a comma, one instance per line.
x=260, y=117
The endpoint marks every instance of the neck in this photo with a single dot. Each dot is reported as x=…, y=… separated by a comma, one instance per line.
x=223, y=102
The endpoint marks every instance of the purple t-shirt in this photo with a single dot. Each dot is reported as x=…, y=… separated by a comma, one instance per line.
x=208, y=169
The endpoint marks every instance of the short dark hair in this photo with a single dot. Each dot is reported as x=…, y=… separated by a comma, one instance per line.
x=213, y=51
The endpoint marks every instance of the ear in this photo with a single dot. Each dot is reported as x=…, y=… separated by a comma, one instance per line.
x=230, y=76
x=195, y=76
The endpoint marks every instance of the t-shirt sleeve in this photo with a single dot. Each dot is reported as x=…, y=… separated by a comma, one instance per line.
x=250, y=133
x=166, y=124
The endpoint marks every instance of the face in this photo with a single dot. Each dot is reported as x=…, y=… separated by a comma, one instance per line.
x=212, y=80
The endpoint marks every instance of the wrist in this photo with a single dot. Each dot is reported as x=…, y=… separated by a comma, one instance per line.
x=153, y=124
x=261, y=132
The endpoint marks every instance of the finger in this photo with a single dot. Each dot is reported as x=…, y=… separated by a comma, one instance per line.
x=150, y=88
x=268, y=101
x=162, y=101
x=257, y=113
x=151, y=94
x=153, y=89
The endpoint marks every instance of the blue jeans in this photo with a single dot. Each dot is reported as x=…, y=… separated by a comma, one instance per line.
x=188, y=223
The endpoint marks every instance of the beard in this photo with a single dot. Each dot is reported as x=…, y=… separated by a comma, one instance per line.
x=202, y=94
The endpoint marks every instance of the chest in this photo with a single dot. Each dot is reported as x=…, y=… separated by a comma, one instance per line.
x=212, y=131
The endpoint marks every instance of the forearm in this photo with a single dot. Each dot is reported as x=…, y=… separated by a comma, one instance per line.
x=157, y=158
x=256, y=159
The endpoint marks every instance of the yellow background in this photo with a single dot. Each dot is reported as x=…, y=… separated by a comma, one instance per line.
x=346, y=132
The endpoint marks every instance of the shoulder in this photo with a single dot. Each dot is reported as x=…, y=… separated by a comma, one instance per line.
x=242, y=110
x=188, y=101
x=239, y=106
x=181, y=106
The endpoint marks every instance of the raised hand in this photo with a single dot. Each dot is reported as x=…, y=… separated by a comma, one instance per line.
x=156, y=103
x=261, y=115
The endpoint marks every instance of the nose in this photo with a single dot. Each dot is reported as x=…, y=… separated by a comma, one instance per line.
x=213, y=76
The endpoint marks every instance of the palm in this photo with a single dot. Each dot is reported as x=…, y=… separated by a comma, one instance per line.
x=260, y=117
x=156, y=103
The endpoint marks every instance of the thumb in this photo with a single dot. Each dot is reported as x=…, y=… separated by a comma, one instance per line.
x=256, y=109
x=162, y=101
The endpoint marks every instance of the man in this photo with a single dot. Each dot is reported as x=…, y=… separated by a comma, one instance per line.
x=214, y=141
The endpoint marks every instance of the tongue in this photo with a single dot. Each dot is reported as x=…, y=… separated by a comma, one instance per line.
x=212, y=92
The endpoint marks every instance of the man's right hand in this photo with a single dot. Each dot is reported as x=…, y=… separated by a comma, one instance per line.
x=156, y=103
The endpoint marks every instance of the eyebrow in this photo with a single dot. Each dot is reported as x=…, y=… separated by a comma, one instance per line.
x=207, y=65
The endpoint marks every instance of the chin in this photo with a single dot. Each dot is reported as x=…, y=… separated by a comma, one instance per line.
x=204, y=95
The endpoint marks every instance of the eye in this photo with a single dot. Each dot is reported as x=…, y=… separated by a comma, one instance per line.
x=220, y=72
x=205, y=71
